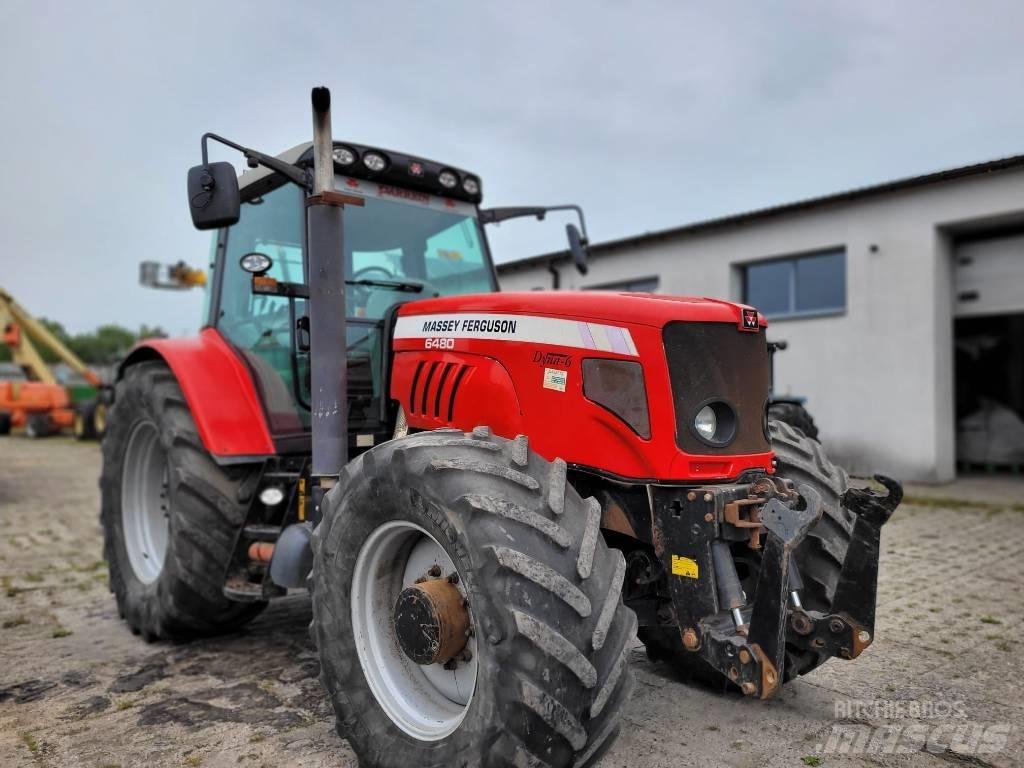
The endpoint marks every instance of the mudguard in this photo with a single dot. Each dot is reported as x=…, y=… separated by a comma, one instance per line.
x=219, y=390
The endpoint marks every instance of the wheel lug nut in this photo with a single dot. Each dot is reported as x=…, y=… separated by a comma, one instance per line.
x=453, y=578
x=435, y=571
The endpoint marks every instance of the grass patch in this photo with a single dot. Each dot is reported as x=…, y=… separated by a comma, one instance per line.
x=35, y=578
x=61, y=632
x=713, y=728
x=30, y=742
x=257, y=738
x=1003, y=646
x=989, y=620
x=193, y=760
x=810, y=760
x=17, y=621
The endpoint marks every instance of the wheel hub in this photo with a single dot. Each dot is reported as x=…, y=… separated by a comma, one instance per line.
x=402, y=576
x=431, y=622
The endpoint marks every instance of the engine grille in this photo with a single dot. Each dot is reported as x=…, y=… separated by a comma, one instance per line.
x=716, y=361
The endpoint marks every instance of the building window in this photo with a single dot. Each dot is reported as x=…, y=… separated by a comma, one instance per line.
x=811, y=284
x=637, y=285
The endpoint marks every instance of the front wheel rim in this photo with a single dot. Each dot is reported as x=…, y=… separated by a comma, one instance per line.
x=145, y=502
x=427, y=702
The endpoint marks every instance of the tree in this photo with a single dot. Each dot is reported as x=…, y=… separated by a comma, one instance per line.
x=104, y=346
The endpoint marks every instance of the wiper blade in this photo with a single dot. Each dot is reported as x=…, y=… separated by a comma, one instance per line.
x=391, y=285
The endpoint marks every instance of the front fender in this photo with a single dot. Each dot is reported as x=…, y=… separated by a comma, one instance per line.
x=219, y=390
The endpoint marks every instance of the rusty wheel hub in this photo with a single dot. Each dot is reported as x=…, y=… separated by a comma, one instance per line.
x=431, y=622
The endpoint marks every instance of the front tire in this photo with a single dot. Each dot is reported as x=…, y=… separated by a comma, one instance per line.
x=170, y=514
x=796, y=415
x=550, y=635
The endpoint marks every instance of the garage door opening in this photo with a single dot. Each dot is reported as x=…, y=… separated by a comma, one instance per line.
x=989, y=346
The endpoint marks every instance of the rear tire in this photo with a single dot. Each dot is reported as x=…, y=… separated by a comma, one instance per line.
x=550, y=638
x=168, y=577
x=5, y=423
x=819, y=557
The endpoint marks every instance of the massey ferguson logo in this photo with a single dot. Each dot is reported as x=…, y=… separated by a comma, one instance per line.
x=750, y=322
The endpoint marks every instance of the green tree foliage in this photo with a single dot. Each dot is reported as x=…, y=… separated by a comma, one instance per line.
x=104, y=346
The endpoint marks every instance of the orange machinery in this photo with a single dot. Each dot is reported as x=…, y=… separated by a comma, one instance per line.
x=40, y=404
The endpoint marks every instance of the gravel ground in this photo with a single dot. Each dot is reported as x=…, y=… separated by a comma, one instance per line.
x=939, y=687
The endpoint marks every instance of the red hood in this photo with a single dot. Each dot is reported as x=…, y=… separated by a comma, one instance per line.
x=641, y=308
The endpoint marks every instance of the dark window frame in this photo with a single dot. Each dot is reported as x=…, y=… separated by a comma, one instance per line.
x=791, y=259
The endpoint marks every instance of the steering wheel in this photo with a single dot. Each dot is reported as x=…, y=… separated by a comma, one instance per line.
x=388, y=275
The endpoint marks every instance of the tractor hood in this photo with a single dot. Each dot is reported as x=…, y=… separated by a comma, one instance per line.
x=634, y=308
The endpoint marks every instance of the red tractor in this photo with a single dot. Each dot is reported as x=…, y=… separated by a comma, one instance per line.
x=489, y=495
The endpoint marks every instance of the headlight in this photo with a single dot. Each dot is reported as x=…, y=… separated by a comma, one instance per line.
x=374, y=162
x=618, y=385
x=706, y=423
x=471, y=185
x=343, y=156
x=715, y=423
x=448, y=179
x=271, y=496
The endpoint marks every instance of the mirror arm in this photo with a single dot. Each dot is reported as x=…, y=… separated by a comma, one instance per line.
x=293, y=173
x=498, y=215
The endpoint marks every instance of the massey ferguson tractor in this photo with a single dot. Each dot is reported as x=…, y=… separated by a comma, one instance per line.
x=488, y=495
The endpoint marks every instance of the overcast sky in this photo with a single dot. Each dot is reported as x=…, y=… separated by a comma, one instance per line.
x=647, y=114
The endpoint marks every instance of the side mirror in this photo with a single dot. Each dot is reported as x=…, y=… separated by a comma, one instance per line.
x=213, y=198
x=577, y=247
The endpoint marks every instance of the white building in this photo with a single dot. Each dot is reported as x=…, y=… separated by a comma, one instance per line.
x=903, y=305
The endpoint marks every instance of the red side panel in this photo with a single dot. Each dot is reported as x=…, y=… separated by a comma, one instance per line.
x=220, y=393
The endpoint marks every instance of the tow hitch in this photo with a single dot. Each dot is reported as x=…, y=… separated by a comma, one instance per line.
x=746, y=639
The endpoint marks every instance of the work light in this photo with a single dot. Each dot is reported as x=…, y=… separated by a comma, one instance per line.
x=448, y=179
x=471, y=185
x=271, y=496
x=256, y=263
x=343, y=156
x=374, y=162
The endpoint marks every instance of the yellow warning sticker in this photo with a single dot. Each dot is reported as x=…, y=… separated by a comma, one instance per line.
x=684, y=566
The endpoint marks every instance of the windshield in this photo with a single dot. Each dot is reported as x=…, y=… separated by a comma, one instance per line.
x=413, y=247
x=400, y=246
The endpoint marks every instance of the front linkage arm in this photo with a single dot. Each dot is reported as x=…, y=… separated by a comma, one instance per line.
x=850, y=628
x=746, y=641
